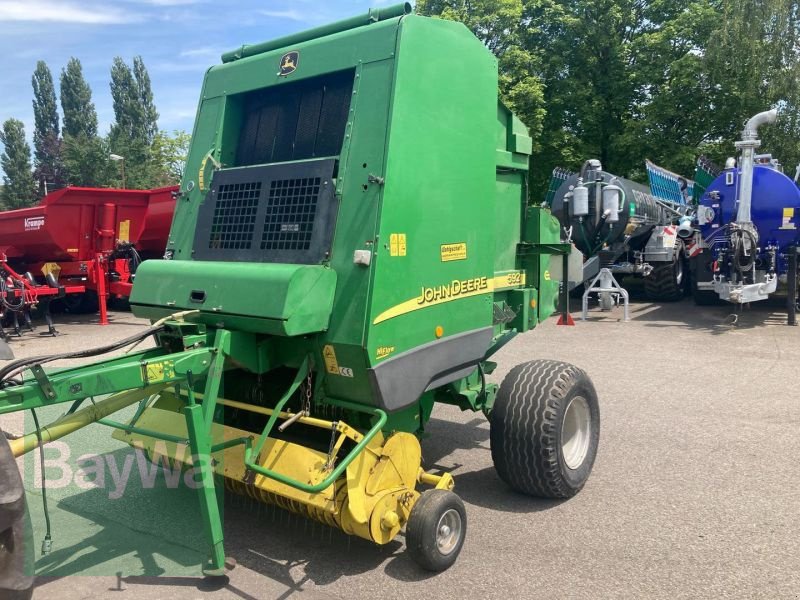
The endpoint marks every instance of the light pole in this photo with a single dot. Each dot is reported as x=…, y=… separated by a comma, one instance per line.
x=121, y=160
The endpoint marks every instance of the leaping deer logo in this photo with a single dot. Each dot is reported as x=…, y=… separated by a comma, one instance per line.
x=289, y=62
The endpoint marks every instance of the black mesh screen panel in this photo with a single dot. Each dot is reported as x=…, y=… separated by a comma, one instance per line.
x=291, y=208
x=283, y=212
x=295, y=121
x=234, y=215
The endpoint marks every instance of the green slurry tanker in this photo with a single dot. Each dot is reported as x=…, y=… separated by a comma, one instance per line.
x=351, y=245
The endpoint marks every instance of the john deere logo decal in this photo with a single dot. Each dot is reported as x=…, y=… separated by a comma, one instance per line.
x=289, y=62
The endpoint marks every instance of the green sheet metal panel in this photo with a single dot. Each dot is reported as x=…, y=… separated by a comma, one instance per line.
x=288, y=299
x=434, y=259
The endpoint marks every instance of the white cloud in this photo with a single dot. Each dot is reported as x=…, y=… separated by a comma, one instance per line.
x=292, y=15
x=203, y=51
x=62, y=12
x=171, y=2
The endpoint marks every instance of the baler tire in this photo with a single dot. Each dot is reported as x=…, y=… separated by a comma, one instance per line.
x=16, y=556
x=532, y=450
x=428, y=544
x=667, y=282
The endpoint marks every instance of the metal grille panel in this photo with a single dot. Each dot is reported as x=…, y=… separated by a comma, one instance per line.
x=291, y=209
x=281, y=213
x=234, y=216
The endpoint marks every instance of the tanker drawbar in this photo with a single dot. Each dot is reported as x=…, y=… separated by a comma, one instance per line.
x=352, y=243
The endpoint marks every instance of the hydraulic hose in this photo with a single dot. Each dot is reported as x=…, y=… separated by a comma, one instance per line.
x=21, y=363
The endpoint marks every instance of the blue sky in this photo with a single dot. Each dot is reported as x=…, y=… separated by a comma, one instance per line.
x=178, y=40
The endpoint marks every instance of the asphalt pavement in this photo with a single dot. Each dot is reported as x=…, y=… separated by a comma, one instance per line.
x=695, y=492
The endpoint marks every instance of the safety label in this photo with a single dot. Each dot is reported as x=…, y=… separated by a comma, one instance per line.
x=453, y=251
x=329, y=356
x=397, y=244
x=159, y=371
x=125, y=230
x=788, y=215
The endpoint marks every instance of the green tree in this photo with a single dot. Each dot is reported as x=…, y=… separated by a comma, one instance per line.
x=86, y=160
x=149, y=114
x=625, y=80
x=135, y=122
x=502, y=26
x=19, y=187
x=80, y=116
x=48, y=169
x=169, y=154
x=85, y=155
x=753, y=64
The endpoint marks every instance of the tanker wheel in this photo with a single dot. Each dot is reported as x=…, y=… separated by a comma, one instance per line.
x=667, y=282
x=545, y=429
x=705, y=297
x=436, y=529
x=701, y=270
x=81, y=304
x=16, y=557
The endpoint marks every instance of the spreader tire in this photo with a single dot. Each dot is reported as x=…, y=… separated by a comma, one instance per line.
x=85, y=303
x=667, y=281
x=15, y=584
x=545, y=429
x=436, y=529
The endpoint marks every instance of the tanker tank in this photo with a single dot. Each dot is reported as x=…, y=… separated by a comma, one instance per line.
x=747, y=227
x=624, y=228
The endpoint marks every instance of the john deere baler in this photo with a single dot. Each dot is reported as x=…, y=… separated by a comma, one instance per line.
x=351, y=245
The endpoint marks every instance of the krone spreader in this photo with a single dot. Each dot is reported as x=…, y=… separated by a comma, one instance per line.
x=351, y=245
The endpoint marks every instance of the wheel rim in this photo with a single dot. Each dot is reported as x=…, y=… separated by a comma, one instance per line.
x=448, y=531
x=576, y=432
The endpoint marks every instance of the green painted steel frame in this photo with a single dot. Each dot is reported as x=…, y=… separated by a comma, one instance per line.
x=130, y=372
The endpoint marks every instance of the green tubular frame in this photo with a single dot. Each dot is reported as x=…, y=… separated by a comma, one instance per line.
x=74, y=385
x=126, y=373
x=249, y=451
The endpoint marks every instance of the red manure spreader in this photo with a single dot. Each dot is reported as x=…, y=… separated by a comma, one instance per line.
x=81, y=246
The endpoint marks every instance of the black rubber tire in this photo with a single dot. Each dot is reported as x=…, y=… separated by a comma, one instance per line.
x=422, y=529
x=16, y=555
x=706, y=297
x=526, y=428
x=667, y=281
x=81, y=304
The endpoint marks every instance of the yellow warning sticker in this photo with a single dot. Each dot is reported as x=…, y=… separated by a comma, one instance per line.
x=125, y=230
x=453, y=251
x=397, y=244
x=788, y=215
x=329, y=356
x=159, y=371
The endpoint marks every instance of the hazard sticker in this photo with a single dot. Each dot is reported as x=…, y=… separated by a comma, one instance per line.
x=329, y=356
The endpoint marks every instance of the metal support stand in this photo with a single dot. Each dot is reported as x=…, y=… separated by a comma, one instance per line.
x=565, y=318
x=199, y=423
x=100, y=273
x=791, y=284
x=607, y=285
